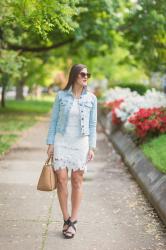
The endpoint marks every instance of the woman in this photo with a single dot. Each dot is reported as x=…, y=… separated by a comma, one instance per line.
x=71, y=140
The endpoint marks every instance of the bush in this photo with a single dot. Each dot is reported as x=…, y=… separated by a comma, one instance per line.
x=150, y=121
x=138, y=87
x=112, y=106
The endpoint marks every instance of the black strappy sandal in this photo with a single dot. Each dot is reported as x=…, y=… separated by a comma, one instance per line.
x=66, y=234
x=66, y=222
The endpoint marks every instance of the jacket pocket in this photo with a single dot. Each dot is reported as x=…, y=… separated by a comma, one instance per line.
x=63, y=103
x=88, y=104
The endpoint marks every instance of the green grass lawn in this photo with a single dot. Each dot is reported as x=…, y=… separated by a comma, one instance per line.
x=155, y=150
x=18, y=116
x=6, y=142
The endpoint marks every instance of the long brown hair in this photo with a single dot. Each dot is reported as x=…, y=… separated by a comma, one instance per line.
x=74, y=71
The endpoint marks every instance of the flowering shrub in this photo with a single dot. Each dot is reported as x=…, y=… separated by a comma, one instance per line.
x=132, y=104
x=117, y=93
x=112, y=106
x=114, y=97
x=149, y=121
x=154, y=98
x=125, y=104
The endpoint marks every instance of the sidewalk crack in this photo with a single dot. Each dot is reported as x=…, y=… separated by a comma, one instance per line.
x=45, y=231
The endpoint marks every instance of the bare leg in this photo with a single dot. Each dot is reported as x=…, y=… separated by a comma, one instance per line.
x=62, y=191
x=76, y=195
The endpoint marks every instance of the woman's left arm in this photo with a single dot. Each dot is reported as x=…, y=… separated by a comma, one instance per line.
x=92, y=125
x=92, y=128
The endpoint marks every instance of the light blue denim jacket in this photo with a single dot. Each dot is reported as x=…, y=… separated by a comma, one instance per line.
x=60, y=115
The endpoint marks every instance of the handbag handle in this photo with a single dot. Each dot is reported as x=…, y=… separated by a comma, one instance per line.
x=48, y=160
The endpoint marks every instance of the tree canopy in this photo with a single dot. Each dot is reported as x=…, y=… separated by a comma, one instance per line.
x=34, y=33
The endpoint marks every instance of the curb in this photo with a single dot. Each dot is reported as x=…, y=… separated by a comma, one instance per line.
x=152, y=182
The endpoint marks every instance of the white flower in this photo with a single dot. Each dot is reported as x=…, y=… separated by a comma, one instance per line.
x=133, y=101
x=117, y=93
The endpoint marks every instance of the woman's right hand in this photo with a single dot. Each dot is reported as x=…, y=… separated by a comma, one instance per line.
x=50, y=150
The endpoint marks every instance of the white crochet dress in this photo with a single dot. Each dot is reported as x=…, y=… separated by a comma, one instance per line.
x=71, y=149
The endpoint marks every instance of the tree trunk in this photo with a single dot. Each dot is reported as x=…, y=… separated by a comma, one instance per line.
x=19, y=90
x=3, y=95
x=5, y=79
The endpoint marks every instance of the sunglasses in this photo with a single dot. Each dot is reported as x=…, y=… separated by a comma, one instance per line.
x=83, y=75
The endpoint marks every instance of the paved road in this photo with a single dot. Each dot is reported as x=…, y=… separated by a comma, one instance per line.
x=114, y=214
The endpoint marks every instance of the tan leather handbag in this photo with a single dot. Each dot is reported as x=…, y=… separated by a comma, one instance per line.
x=48, y=178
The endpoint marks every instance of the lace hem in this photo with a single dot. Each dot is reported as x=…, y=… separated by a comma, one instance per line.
x=60, y=163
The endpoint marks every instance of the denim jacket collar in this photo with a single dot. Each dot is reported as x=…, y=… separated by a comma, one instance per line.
x=84, y=91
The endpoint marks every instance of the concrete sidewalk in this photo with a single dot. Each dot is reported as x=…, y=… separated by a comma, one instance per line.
x=114, y=214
